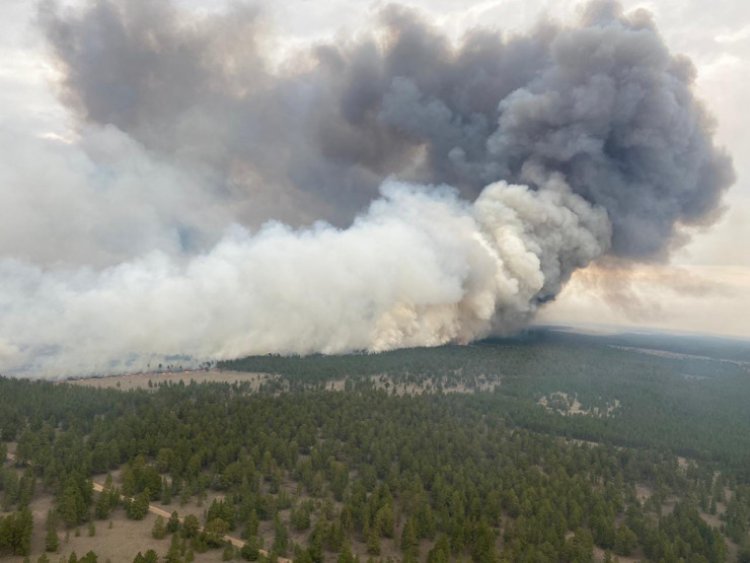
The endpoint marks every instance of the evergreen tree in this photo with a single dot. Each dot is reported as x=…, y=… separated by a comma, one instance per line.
x=159, y=530
x=441, y=551
x=625, y=540
x=173, y=554
x=280, y=537
x=51, y=539
x=372, y=541
x=409, y=541
x=137, y=508
x=251, y=527
x=251, y=550
x=190, y=526
x=173, y=524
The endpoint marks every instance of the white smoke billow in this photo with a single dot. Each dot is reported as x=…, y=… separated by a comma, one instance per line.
x=420, y=267
x=452, y=190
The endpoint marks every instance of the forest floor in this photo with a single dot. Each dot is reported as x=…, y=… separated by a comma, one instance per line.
x=385, y=382
x=149, y=380
x=119, y=539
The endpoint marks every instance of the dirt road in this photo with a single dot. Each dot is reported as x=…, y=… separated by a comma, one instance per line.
x=236, y=542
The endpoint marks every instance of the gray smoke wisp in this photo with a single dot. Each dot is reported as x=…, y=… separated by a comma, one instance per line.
x=419, y=191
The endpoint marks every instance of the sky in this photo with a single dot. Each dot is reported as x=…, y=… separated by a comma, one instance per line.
x=97, y=205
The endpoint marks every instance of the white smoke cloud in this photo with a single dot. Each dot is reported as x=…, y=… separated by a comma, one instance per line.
x=419, y=267
x=98, y=199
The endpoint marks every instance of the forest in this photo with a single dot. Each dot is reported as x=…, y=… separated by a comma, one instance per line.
x=547, y=447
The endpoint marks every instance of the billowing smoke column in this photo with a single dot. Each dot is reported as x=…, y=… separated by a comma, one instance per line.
x=561, y=146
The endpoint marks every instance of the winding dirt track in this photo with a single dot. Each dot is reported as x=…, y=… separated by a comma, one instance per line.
x=236, y=542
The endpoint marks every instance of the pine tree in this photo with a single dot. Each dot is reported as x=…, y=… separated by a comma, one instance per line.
x=71, y=506
x=625, y=540
x=372, y=540
x=24, y=527
x=173, y=524
x=138, y=507
x=300, y=518
x=384, y=520
x=441, y=551
x=101, y=508
x=251, y=550
x=281, y=536
x=173, y=554
x=346, y=555
x=251, y=528
x=214, y=532
x=159, y=531
x=190, y=526
x=743, y=555
x=166, y=492
x=409, y=542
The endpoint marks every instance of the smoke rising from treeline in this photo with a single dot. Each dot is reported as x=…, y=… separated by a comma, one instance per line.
x=560, y=146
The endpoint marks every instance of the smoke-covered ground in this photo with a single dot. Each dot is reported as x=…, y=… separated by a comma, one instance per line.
x=145, y=235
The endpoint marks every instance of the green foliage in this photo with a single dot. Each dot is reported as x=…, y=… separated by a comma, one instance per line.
x=459, y=461
x=190, y=526
x=73, y=504
x=149, y=557
x=683, y=534
x=441, y=551
x=15, y=533
x=214, y=532
x=280, y=537
x=137, y=508
x=683, y=404
x=173, y=524
x=51, y=539
x=743, y=553
x=173, y=554
x=251, y=550
x=159, y=531
x=625, y=541
x=409, y=541
x=222, y=510
x=107, y=500
x=300, y=517
x=138, y=477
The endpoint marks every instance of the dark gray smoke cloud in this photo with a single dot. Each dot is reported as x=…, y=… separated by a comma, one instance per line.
x=604, y=103
x=562, y=145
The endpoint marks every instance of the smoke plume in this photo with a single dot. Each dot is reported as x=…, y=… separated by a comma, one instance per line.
x=393, y=190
